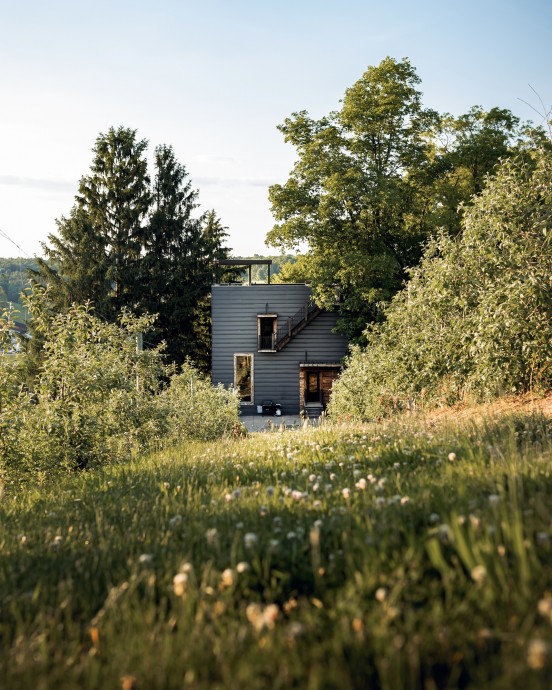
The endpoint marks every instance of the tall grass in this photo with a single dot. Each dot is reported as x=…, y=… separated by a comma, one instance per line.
x=350, y=557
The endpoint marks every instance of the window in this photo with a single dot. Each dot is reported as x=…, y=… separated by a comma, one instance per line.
x=243, y=376
x=266, y=331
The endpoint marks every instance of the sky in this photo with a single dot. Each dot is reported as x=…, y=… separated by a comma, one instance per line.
x=214, y=78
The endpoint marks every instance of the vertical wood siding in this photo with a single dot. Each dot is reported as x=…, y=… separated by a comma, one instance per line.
x=276, y=374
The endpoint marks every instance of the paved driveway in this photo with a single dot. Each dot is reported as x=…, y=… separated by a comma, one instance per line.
x=259, y=422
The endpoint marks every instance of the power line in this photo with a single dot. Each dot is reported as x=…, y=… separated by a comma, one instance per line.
x=3, y=234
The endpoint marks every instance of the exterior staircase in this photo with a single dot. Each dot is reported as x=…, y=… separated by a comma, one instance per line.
x=295, y=324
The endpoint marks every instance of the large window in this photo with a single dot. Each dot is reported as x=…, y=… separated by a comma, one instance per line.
x=243, y=376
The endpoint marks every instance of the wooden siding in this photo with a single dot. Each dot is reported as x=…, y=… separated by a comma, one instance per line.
x=276, y=374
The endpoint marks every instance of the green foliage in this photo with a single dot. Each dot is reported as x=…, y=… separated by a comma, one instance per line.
x=412, y=558
x=197, y=410
x=476, y=316
x=374, y=180
x=135, y=245
x=98, y=397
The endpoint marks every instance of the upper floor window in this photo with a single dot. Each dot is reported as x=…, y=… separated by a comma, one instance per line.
x=266, y=332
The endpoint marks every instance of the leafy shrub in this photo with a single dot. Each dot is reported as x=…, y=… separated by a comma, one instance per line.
x=197, y=410
x=476, y=317
x=98, y=399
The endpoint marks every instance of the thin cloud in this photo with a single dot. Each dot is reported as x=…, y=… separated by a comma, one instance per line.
x=57, y=186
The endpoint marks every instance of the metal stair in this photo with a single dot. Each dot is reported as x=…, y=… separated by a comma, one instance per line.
x=295, y=324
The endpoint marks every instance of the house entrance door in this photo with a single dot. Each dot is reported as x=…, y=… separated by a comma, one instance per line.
x=312, y=392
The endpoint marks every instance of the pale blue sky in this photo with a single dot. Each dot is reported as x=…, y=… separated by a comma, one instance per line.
x=214, y=79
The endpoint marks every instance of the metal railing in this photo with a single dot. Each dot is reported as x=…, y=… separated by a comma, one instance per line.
x=288, y=327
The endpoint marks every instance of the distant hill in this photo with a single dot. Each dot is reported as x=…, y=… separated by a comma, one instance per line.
x=13, y=280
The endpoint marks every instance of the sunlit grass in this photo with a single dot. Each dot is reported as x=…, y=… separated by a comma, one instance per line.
x=388, y=557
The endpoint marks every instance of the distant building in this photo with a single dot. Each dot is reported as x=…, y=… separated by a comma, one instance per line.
x=272, y=343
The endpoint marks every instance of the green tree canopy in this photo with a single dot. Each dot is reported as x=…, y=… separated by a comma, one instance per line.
x=374, y=180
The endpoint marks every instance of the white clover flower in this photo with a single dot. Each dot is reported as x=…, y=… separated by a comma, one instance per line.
x=212, y=536
x=405, y=500
x=479, y=573
x=381, y=594
x=250, y=540
x=291, y=535
x=346, y=492
x=175, y=521
x=544, y=607
x=452, y=457
x=542, y=538
x=361, y=484
x=262, y=617
x=180, y=584
x=538, y=652
x=227, y=577
x=243, y=567
x=145, y=559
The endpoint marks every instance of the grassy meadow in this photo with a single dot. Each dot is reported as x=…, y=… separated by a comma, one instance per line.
x=388, y=556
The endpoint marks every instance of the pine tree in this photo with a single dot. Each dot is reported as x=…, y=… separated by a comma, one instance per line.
x=174, y=274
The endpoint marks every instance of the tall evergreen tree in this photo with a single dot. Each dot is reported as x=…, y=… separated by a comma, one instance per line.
x=174, y=271
x=116, y=196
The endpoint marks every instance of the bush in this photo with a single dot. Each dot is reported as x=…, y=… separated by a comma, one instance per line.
x=197, y=410
x=476, y=317
x=98, y=399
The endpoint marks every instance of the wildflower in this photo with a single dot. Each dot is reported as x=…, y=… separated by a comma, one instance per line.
x=291, y=535
x=227, y=577
x=312, y=478
x=212, y=536
x=175, y=521
x=544, y=607
x=542, y=539
x=538, y=652
x=250, y=540
x=243, y=567
x=145, y=559
x=479, y=573
x=57, y=541
x=262, y=617
x=180, y=583
x=361, y=484
x=294, y=630
x=274, y=545
x=405, y=500
x=346, y=492
x=452, y=457
x=381, y=594
x=434, y=518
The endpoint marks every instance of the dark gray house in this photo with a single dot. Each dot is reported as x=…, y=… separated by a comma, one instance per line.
x=272, y=343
